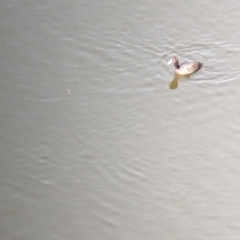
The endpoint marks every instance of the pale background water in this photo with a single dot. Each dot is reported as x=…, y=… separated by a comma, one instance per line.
x=94, y=145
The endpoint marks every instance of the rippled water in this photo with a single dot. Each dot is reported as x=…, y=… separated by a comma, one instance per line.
x=94, y=143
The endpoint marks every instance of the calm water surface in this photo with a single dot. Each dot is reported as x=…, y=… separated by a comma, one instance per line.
x=94, y=144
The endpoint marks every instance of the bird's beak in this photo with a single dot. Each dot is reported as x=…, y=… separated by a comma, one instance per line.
x=169, y=62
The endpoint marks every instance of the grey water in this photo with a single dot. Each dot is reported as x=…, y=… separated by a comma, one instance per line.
x=98, y=140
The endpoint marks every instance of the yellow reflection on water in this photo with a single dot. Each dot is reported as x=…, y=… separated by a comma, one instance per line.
x=174, y=83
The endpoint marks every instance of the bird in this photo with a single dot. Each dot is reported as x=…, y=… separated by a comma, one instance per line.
x=186, y=68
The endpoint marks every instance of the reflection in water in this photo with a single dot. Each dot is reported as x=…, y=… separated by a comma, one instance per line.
x=174, y=83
